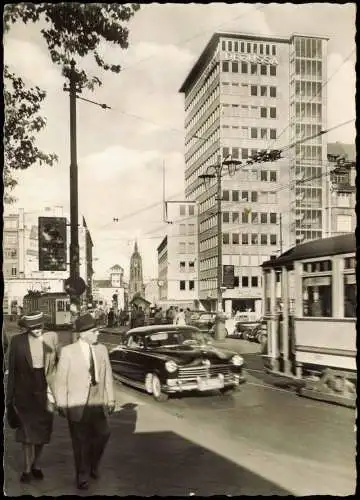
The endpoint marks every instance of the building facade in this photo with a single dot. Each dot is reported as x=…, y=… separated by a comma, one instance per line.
x=136, y=281
x=340, y=193
x=237, y=102
x=21, y=257
x=111, y=292
x=177, y=257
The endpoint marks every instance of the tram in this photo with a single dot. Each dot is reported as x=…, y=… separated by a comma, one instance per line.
x=55, y=306
x=310, y=302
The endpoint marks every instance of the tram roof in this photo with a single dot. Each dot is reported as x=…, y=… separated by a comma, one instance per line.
x=335, y=245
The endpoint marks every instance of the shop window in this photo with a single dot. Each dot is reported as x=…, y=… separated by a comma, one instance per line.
x=317, y=296
x=350, y=296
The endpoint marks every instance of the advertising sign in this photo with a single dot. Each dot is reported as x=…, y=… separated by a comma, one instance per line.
x=249, y=58
x=52, y=243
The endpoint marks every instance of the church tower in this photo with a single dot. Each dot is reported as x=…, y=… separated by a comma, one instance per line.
x=136, y=284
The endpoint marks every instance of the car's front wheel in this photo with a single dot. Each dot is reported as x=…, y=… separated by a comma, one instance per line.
x=156, y=389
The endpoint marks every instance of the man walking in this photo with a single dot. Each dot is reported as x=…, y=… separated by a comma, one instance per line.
x=84, y=395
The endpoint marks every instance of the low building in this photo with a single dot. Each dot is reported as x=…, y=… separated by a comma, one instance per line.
x=340, y=193
x=21, y=257
x=177, y=262
x=111, y=292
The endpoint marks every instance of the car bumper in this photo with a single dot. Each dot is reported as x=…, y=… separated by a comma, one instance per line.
x=202, y=384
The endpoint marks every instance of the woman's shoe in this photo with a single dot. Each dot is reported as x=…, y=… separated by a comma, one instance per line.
x=37, y=473
x=25, y=477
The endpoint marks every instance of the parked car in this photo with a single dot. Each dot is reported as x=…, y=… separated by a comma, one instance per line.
x=203, y=320
x=167, y=359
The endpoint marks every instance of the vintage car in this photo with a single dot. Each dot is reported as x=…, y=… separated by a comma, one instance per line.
x=166, y=359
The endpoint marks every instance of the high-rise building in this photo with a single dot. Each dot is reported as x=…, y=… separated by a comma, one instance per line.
x=239, y=98
x=136, y=282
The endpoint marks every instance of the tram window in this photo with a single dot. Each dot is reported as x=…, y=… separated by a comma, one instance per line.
x=350, y=262
x=350, y=296
x=67, y=304
x=317, y=296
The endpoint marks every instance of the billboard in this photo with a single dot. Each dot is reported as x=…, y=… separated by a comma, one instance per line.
x=52, y=243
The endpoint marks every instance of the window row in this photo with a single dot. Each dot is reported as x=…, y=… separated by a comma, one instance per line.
x=245, y=154
x=203, y=110
x=303, y=152
x=248, y=68
x=190, y=267
x=303, y=131
x=237, y=132
x=204, y=146
x=308, y=68
x=10, y=238
x=308, y=89
x=201, y=169
x=249, y=239
x=182, y=285
x=255, y=196
x=190, y=247
x=248, y=132
x=308, y=47
x=186, y=229
x=247, y=217
x=316, y=267
x=249, y=47
x=308, y=110
x=201, y=87
x=243, y=89
x=187, y=209
x=244, y=260
x=243, y=281
x=248, y=111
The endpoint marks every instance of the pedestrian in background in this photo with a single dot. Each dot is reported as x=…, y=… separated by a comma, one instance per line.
x=180, y=318
x=33, y=357
x=188, y=316
x=84, y=395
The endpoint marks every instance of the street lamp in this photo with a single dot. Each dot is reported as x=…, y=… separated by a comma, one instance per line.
x=216, y=172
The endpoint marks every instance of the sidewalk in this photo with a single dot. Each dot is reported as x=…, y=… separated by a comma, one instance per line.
x=149, y=453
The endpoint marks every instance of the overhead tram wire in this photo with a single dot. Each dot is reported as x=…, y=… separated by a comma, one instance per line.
x=272, y=141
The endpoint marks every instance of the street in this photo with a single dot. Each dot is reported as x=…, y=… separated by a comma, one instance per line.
x=261, y=440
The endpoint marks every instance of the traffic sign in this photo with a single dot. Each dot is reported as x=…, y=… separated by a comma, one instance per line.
x=75, y=286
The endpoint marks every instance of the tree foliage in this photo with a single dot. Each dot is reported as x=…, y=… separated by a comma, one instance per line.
x=71, y=31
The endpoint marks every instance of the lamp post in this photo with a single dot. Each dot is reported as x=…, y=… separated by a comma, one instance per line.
x=216, y=172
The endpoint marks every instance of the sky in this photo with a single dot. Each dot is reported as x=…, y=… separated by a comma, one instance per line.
x=122, y=151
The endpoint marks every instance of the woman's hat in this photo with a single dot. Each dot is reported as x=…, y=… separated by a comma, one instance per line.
x=32, y=320
x=84, y=323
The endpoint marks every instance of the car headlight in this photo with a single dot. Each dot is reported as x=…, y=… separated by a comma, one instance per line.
x=171, y=366
x=237, y=360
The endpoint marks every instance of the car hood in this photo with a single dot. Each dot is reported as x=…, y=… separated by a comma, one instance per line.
x=194, y=355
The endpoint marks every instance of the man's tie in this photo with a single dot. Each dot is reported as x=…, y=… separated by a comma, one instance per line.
x=92, y=368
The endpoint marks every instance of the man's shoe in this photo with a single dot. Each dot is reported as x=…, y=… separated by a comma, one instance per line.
x=94, y=474
x=25, y=477
x=37, y=473
x=83, y=485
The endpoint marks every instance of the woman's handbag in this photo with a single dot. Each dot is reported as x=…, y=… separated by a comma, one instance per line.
x=12, y=417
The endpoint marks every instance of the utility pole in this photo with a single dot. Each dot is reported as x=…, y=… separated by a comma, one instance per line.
x=74, y=202
x=219, y=238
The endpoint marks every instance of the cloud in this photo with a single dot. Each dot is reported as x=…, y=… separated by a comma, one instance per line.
x=341, y=98
x=31, y=61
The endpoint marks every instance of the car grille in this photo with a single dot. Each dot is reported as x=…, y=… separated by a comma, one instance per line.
x=193, y=372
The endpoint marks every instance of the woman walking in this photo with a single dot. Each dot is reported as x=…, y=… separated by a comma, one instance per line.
x=33, y=357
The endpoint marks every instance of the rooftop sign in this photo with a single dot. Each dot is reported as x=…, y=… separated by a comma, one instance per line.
x=249, y=58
